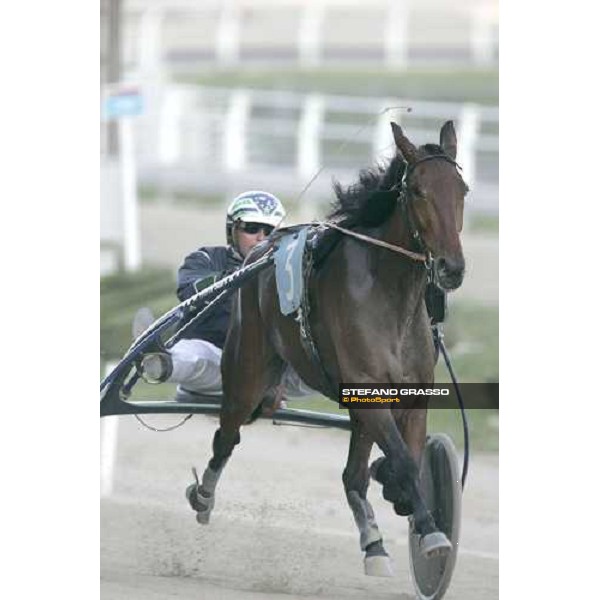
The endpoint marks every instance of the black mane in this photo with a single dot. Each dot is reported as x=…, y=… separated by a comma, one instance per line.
x=369, y=202
x=363, y=202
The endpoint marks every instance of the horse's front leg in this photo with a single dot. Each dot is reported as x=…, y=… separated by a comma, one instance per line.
x=398, y=473
x=356, y=482
x=412, y=425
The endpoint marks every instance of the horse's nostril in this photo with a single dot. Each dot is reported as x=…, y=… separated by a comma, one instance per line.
x=447, y=265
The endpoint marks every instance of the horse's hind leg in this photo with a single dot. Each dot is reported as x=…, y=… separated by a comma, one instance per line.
x=238, y=406
x=201, y=495
x=250, y=367
x=356, y=482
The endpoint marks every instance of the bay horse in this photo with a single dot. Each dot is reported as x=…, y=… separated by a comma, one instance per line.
x=370, y=325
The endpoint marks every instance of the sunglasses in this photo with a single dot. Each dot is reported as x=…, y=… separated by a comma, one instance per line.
x=254, y=228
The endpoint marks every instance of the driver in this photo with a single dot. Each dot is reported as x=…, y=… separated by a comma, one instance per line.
x=195, y=361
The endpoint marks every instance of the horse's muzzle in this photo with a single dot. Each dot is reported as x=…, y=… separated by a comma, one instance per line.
x=450, y=272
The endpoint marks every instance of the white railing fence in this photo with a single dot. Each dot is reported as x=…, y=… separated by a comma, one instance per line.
x=216, y=140
x=183, y=34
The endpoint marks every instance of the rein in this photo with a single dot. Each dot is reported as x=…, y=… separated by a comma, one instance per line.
x=370, y=240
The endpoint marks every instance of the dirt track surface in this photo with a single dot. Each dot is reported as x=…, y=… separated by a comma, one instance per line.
x=281, y=528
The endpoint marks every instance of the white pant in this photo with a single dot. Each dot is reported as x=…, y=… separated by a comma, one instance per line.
x=197, y=368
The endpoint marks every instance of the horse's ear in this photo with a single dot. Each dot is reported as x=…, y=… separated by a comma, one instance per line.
x=407, y=149
x=448, y=139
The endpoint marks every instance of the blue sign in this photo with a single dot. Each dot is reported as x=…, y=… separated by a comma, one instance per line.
x=126, y=103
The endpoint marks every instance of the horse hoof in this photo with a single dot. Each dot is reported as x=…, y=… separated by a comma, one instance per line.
x=201, y=502
x=203, y=517
x=378, y=566
x=435, y=544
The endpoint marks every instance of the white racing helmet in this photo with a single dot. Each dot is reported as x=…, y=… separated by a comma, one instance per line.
x=254, y=207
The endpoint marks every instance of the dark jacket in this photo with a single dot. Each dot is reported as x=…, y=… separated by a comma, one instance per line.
x=199, y=269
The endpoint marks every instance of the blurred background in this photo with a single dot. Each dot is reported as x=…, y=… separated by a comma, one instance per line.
x=202, y=100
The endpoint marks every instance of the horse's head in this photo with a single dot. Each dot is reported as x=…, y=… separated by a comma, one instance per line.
x=433, y=194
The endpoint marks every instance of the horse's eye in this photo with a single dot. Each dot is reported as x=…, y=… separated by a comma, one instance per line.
x=417, y=192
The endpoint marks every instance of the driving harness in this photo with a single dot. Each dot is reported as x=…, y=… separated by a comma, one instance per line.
x=318, y=243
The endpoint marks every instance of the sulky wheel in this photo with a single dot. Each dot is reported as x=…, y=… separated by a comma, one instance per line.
x=442, y=491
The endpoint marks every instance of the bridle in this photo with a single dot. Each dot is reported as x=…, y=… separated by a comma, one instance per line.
x=422, y=254
x=404, y=197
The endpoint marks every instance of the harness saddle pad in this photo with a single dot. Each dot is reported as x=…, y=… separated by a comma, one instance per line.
x=288, y=269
